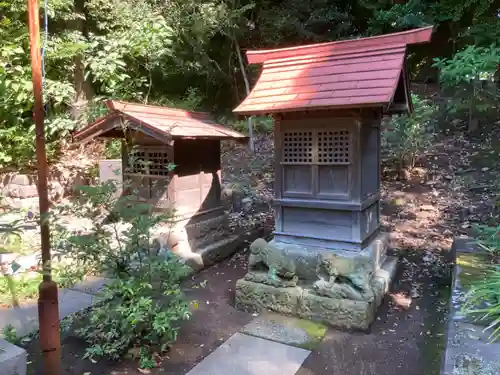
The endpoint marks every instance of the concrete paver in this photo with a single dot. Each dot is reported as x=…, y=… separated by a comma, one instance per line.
x=12, y=359
x=249, y=355
x=25, y=318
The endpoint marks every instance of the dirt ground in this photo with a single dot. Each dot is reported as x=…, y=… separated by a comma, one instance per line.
x=403, y=339
x=444, y=196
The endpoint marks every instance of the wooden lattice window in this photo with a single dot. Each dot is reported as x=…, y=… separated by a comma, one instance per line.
x=298, y=147
x=316, y=147
x=149, y=162
x=333, y=147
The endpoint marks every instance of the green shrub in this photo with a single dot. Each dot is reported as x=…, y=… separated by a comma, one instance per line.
x=10, y=334
x=488, y=239
x=144, y=304
x=141, y=310
x=405, y=136
x=482, y=302
x=469, y=79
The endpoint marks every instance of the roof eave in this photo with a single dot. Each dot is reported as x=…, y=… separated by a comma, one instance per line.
x=109, y=122
x=95, y=129
x=265, y=112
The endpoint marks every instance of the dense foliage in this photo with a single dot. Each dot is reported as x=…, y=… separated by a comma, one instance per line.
x=143, y=305
x=406, y=135
x=186, y=53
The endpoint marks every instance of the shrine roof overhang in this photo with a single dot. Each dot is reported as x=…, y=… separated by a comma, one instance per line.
x=162, y=123
x=356, y=73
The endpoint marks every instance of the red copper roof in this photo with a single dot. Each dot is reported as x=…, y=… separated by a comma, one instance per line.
x=160, y=122
x=349, y=73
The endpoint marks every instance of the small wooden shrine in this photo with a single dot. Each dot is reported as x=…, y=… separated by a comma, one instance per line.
x=155, y=138
x=327, y=101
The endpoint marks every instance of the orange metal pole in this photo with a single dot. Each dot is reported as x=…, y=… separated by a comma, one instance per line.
x=48, y=309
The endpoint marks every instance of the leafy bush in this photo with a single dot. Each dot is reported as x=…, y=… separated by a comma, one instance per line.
x=141, y=310
x=488, y=239
x=398, y=17
x=143, y=305
x=482, y=302
x=469, y=78
x=405, y=136
x=10, y=334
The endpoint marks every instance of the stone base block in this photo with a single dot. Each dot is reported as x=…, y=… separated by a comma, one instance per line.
x=301, y=301
x=256, y=297
x=338, y=313
x=306, y=257
x=12, y=359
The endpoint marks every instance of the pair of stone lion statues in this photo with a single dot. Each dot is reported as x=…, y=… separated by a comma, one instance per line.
x=337, y=277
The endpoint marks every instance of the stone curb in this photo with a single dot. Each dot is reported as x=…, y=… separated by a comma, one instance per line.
x=466, y=345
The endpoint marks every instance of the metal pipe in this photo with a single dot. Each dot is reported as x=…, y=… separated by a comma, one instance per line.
x=48, y=309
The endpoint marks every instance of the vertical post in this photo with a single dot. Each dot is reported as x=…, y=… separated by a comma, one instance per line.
x=48, y=309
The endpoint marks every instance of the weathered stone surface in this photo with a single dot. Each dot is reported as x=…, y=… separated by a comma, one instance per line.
x=252, y=297
x=20, y=191
x=248, y=355
x=302, y=301
x=12, y=359
x=219, y=250
x=263, y=278
x=286, y=330
x=269, y=257
x=22, y=179
x=341, y=313
x=307, y=258
x=344, y=277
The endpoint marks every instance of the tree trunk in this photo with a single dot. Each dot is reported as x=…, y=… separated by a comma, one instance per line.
x=83, y=88
x=247, y=88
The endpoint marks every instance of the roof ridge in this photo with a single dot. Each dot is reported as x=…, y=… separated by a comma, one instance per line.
x=413, y=36
x=154, y=106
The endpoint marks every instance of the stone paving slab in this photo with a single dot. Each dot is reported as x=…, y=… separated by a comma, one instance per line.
x=25, y=318
x=249, y=355
x=12, y=359
x=286, y=330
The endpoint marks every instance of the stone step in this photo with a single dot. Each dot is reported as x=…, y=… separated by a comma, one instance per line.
x=199, y=258
x=208, y=231
x=243, y=354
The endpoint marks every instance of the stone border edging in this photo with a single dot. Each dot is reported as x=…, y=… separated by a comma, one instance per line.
x=462, y=347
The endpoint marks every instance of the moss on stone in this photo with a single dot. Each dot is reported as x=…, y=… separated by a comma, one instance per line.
x=316, y=332
x=474, y=268
x=288, y=330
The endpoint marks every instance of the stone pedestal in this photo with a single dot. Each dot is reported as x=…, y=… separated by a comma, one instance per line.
x=306, y=257
x=319, y=290
x=199, y=243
